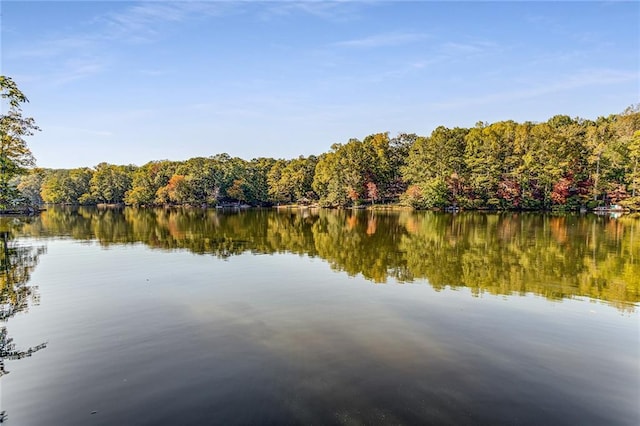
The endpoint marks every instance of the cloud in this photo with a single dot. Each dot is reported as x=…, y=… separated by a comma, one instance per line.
x=153, y=72
x=142, y=21
x=586, y=78
x=82, y=131
x=73, y=56
x=454, y=48
x=337, y=11
x=430, y=57
x=75, y=69
x=382, y=40
x=55, y=47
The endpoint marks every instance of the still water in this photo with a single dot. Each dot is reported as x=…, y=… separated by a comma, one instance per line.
x=187, y=317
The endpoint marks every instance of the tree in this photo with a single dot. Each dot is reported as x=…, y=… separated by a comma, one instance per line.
x=147, y=180
x=278, y=190
x=342, y=174
x=372, y=192
x=258, y=179
x=109, y=182
x=487, y=153
x=435, y=165
x=67, y=186
x=30, y=184
x=627, y=135
x=15, y=156
x=634, y=156
x=291, y=180
x=177, y=191
x=399, y=151
x=238, y=191
x=378, y=155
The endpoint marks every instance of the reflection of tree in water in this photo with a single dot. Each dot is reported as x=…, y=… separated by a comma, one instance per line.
x=555, y=256
x=16, y=264
x=8, y=350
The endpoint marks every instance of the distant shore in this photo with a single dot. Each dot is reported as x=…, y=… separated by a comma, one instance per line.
x=316, y=206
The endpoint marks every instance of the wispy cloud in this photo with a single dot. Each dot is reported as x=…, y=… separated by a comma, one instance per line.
x=432, y=57
x=586, y=78
x=143, y=21
x=153, y=72
x=75, y=55
x=454, y=48
x=55, y=47
x=75, y=69
x=382, y=40
x=80, y=130
x=424, y=63
x=337, y=11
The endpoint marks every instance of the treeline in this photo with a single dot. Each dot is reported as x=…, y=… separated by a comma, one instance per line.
x=563, y=163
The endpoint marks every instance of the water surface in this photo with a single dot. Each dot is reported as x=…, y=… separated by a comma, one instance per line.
x=296, y=317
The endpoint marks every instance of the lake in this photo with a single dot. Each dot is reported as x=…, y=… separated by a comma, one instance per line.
x=188, y=317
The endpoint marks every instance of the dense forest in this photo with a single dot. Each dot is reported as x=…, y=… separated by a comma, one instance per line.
x=563, y=163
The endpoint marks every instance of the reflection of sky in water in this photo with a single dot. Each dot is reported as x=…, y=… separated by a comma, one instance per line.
x=144, y=336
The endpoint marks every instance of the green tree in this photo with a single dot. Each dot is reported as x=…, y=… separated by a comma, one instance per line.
x=66, y=186
x=341, y=176
x=327, y=181
x=204, y=177
x=599, y=135
x=110, y=183
x=147, y=180
x=399, y=147
x=279, y=190
x=434, y=167
x=55, y=187
x=627, y=144
x=292, y=180
x=487, y=151
x=239, y=190
x=258, y=178
x=30, y=185
x=15, y=156
x=234, y=182
x=379, y=171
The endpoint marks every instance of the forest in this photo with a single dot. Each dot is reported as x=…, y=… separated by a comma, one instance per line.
x=562, y=164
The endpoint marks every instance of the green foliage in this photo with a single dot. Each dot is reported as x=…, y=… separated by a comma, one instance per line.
x=343, y=175
x=147, y=180
x=435, y=166
x=30, y=184
x=257, y=178
x=291, y=181
x=67, y=186
x=110, y=183
x=632, y=203
x=432, y=193
x=562, y=164
x=327, y=181
x=15, y=156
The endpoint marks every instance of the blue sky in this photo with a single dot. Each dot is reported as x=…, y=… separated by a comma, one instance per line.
x=131, y=82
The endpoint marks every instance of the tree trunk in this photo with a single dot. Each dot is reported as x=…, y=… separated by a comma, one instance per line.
x=635, y=178
x=596, y=180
